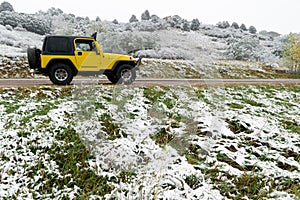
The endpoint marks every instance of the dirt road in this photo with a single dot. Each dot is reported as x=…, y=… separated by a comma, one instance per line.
x=146, y=82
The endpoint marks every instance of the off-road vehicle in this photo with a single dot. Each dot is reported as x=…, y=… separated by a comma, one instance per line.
x=63, y=57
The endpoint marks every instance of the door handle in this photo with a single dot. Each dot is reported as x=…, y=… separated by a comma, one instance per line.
x=80, y=53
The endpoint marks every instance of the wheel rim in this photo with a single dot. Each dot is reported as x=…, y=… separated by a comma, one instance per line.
x=126, y=75
x=61, y=74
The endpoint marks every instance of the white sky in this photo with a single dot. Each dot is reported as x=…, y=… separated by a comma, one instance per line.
x=272, y=15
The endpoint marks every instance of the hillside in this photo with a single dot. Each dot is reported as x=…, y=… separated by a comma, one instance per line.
x=200, y=45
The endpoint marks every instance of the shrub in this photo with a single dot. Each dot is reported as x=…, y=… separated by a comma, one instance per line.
x=155, y=18
x=252, y=30
x=195, y=25
x=186, y=26
x=224, y=24
x=174, y=21
x=29, y=22
x=118, y=42
x=146, y=15
x=244, y=49
x=115, y=21
x=243, y=27
x=235, y=25
x=5, y=6
x=133, y=19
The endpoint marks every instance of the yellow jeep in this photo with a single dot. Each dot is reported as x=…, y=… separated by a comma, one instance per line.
x=63, y=57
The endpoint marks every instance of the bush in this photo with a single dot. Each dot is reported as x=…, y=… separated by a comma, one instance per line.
x=5, y=6
x=252, y=30
x=115, y=21
x=224, y=24
x=147, y=26
x=133, y=19
x=235, y=25
x=29, y=22
x=186, y=26
x=174, y=21
x=155, y=19
x=126, y=42
x=195, y=26
x=244, y=49
x=146, y=15
x=243, y=27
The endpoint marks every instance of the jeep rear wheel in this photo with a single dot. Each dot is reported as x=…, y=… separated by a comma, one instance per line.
x=61, y=74
x=126, y=74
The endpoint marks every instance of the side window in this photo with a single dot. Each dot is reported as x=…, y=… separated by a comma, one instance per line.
x=85, y=45
x=57, y=45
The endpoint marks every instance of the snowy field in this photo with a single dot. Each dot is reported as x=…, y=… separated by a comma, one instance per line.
x=125, y=142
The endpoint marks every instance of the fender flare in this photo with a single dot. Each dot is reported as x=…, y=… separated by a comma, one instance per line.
x=122, y=62
x=65, y=61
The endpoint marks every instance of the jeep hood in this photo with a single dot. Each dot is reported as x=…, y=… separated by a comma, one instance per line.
x=118, y=56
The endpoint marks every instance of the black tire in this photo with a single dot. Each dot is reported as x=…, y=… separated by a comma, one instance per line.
x=61, y=74
x=33, y=55
x=126, y=74
x=112, y=78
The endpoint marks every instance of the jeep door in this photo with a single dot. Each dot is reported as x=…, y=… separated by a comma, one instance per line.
x=87, y=55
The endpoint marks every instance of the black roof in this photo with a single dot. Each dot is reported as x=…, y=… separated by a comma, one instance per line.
x=68, y=36
x=93, y=36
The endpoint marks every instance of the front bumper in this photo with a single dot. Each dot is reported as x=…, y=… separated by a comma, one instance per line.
x=138, y=62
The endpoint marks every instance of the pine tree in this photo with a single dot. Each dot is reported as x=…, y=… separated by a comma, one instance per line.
x=186, y=26
x=235, y=25
x=224, y=24
x=115, y=21
x=5, y=6
x=146, y=15
x=133, y=19
x=243, y=27
x=195, y=26
x=252, y=30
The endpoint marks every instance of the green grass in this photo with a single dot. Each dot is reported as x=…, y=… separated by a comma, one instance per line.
x=111, y=128
x=235, y=105
x=71, y=155
x=253, y=102
x=291, y=125
x=163, y=136
x=237, y=127
x=72, y=160
x=193, y=181
x=153, y=94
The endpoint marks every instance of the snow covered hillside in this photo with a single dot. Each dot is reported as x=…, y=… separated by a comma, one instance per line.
x=150, y=142
x=168, y=38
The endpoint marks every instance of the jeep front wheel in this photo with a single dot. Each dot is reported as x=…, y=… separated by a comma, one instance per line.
x=61, y=74
x=126, y=74
x=112, y=78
